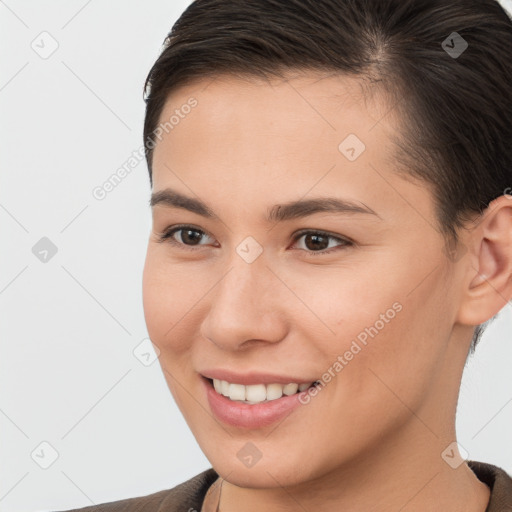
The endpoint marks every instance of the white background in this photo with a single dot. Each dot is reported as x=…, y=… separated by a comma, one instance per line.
x=69, y=326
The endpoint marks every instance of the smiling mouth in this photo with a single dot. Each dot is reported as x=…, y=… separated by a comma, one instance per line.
x=257, y=393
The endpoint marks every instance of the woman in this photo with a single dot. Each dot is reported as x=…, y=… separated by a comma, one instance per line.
x=332, y=230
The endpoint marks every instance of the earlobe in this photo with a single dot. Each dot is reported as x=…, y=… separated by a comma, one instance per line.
x=489, y=274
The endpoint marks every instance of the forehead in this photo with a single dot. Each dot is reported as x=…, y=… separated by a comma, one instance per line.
x=301, y=104
x=305, y=117
x=284, y=138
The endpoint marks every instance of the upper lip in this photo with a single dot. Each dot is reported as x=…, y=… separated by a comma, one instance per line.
x=252, y=377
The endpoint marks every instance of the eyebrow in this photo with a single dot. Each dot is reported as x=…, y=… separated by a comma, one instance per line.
x=277, y=213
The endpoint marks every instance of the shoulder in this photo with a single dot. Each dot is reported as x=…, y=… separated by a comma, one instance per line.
x=500, y=483
x=187, y=496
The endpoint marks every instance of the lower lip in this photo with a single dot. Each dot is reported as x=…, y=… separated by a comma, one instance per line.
x=243, y=415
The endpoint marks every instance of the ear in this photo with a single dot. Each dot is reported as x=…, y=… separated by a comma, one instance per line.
x=488, y=278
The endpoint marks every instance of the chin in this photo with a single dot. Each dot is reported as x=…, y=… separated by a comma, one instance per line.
x=262, y=475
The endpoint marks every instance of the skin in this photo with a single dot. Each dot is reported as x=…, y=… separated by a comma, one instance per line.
x=373, y=438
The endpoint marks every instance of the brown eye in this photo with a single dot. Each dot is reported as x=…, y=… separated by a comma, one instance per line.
x=318, y=242
x=184, y=236
x=190, y=236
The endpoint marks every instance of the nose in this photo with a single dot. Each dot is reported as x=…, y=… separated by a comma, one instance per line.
x=247, y=308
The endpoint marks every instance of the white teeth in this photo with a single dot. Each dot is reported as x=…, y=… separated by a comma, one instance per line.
x=290, y=389
x=237, y=391
x=224, y=387
x=274, y=391
x=256, y=393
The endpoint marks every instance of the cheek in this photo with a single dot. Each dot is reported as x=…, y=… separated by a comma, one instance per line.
x=172, y=301
x=169, y=295
x=153, y=299
x=344, y=302
x=379, y=319
x=402, y=341
x=163, y=297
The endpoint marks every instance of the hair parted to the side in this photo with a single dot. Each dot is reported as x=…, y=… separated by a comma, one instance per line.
x=455, y=112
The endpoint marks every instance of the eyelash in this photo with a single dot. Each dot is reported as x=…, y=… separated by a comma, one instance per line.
x=168, y=233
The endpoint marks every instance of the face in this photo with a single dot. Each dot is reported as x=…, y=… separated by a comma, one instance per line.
x=286, y=249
